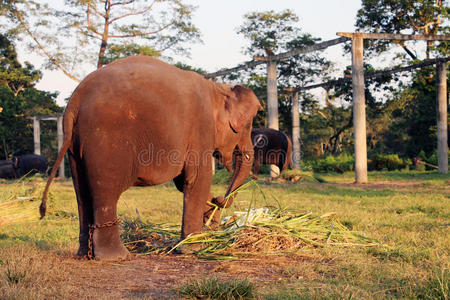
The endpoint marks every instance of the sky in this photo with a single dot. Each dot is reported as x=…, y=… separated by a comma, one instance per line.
x=222, y=47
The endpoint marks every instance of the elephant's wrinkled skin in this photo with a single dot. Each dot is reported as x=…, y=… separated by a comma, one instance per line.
x=271, y=147
x=140, y=121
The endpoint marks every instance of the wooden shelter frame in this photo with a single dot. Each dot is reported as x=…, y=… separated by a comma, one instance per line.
x=37, y=135
x=359, y=105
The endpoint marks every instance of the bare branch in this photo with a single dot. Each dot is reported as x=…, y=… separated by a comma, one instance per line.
x=96, y=11
x=133, y=13
x=123, y=3
x=50, y=57
x=140, y=34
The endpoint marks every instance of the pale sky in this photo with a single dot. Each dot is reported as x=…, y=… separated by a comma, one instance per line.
x=222, y=47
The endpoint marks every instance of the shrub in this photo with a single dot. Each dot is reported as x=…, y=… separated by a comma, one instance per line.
x=390, y=162
x=222, y=176
x=341, y=163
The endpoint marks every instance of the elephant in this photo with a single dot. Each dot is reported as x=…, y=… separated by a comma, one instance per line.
x=30, y=164
x=271, y=147
x=7, y=170
x=140, y=121
x=23, y=165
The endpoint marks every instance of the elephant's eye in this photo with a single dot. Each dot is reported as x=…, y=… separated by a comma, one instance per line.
x=229, y=123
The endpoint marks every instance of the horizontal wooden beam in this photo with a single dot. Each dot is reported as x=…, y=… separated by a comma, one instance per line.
x=244, y=66
x=258, y=60
x=307, y=49
x=371, y=75
x=47, y=117
x=391, y=36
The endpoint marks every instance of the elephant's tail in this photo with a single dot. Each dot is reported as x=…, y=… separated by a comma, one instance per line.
x=68, y=126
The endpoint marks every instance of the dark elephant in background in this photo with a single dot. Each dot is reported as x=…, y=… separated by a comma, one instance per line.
x=30, y=164
x=23, y=165
x=7, y=170
x=271, y=147
x=140, y=121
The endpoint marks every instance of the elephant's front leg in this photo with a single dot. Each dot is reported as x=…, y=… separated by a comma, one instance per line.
x=196, y=194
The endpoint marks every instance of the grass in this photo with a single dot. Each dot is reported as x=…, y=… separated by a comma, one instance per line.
x=215, y=288
x=408, y=211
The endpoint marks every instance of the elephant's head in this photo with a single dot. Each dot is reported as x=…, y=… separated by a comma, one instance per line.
x=15, y=161
x=236, y=106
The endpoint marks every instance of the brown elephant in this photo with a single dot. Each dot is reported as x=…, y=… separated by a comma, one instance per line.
x=140, y=121
x=271, y=147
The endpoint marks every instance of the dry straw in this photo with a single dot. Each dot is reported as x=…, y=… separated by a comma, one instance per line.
x=253, y=232
x=20, y=200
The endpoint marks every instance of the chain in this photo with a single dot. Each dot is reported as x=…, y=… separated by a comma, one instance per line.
x=90, y=254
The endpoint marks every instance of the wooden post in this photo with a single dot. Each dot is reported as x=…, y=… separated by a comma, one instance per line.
x=441, y=110
x=59, y=125
x=272, y=104
x=296, y=154
x=37, y=136
x=213, y=165
x=359, y=110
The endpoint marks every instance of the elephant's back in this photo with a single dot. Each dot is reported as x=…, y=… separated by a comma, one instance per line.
x=141, y=89
x=272, y=139
x=139, y=79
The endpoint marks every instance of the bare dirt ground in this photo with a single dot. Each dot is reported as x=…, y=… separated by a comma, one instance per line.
x=157, y=276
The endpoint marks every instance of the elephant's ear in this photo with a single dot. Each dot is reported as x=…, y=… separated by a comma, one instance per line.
x=15, y=161
x=237, y=108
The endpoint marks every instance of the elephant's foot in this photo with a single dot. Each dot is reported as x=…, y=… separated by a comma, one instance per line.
x=83, y=248
x=107, y=244
x=118, y=252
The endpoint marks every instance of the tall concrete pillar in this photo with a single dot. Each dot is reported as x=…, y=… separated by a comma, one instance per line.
x=359, y=111
x=59, y=125
x=272, y=104
x=296, y=154
x=441, y=110
x=37, y=135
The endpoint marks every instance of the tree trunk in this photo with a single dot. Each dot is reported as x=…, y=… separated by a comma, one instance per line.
x=104, y=43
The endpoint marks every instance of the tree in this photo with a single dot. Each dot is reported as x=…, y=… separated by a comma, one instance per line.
x=270, y=33
x=19, y=100
x=403, y=16
x=12, y=74
x=97, y=31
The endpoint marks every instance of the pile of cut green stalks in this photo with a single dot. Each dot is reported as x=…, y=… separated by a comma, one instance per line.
x=255, y=232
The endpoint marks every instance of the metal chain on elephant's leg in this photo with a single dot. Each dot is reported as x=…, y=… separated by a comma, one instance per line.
x=90, y=254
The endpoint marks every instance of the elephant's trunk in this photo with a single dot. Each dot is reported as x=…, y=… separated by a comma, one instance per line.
x=244, y=161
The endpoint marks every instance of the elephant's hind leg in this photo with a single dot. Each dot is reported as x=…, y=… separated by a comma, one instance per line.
x=106, y=238
x=84, y=200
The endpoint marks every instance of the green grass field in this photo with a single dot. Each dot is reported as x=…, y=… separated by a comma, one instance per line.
x=409, y=212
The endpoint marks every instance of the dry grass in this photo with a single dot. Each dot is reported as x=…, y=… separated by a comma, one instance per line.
x=19, y=200
x=410, y=214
